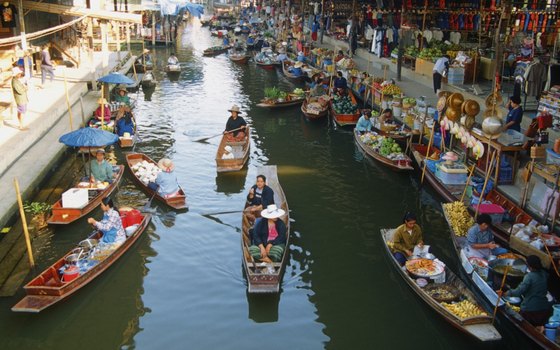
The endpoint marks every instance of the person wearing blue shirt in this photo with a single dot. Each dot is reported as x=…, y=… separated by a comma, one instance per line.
x=296, y=69
x=301, y=57
x=340, y=83
x=364, y=123
x=260, y=196
x=480, y=240
x=166, y=180
x=515, y=115
x=125, y=124
x=225, y=41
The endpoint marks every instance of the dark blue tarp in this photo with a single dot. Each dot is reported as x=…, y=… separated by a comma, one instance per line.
x=173, y=7
x=88, y=137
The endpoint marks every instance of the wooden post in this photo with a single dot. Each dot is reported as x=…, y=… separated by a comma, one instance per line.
x=423, y=23
x=102, y=104
x=467, y=184
x=153, y=29
x=82, y=109
x=23, y=38
x=90, y=54
x=428, y=151
x=68, y=101
x=527, y=181
x=128, y=38
x=104, y=47
x=118, y=41
x=24, y=224
x=487, y=177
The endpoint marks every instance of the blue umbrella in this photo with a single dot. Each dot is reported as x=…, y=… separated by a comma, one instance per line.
x=116, y=78
x=88, y=137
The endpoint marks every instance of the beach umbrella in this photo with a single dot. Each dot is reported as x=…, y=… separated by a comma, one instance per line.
x=88, y=137
x=115, y=78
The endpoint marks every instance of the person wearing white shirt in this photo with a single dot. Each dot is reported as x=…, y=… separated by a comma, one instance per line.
x=440, y=70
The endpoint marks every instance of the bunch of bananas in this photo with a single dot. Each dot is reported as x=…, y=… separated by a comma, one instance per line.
x=459, y=217
x=391, y=89
x=464, y=309
x=513, y=307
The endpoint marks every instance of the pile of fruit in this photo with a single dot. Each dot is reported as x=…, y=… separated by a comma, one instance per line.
x=146, y=171
x=513, y=307
x=411, y=51
x=344, y=105
x=464, y=309
x=391, y=89
x=458, y=217
x=298, y=92
x=430, y=54
x=411, y=101
x=386, y=146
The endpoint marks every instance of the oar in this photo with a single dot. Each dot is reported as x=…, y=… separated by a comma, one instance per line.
x=211, y=137
x=148, y=204
x=500, y=293
x=222, y=212
x=549, y=254
x=467, y=184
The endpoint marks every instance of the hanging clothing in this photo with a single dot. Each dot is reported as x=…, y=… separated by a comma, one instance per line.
x=536, y=78
x=8, y=18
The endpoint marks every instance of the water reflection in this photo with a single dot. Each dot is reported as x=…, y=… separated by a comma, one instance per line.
x=263, y=308
x=230, y=183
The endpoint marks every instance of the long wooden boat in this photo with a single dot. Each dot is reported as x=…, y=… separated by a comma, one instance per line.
x=479, y=284
x=178, y=202
x=479, y=327
x=64, y=216
x=48, y=288
x=239, y=58
x=259, y=279
x=396, y=165
x=311, y=114
x=275, y=104
x=297, y=79
x=173, y=68
x=345, y=119
x=515, y=212
x=215, y=51
x=240, y=150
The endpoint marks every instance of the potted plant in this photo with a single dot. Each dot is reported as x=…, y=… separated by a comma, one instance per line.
x=38, y=211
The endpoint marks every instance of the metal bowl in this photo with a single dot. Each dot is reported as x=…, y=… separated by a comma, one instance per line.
x=89, y=243
x=492, y=126
x=72, y=259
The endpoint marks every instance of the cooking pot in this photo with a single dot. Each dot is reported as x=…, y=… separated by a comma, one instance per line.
x=72, y=259
x=516, y=271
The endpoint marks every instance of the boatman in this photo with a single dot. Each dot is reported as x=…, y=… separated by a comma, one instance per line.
x=480, y=241
x=364, y=124
x=236, y=126
x=99, y=170
x=173, y=60
x=340, y=84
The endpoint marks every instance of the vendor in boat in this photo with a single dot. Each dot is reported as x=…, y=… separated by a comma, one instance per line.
x=260, y=196
x=340, y=84
x=535, y=306
x=147, y=57
x=125, y=121
x=281, y=55
x=172, y=60
x=235, y=126
x=269, y=236
x=317, y=88
x=251, y=39
x=386, y=117
x=225, y=41
x=300, y=57
x=228, y=153
x=364, y=123
x=296, y=69
x=339, y=56
x=122, y=95
x=480, y=240
x=237, y=45
x=103, y=109
x=166, y=181
x=111, y=225
x=98, y=169
x=406, y=237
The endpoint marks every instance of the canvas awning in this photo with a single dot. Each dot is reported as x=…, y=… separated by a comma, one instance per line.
x=82, y=11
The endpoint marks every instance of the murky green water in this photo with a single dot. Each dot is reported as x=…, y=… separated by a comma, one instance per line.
x=182, y=285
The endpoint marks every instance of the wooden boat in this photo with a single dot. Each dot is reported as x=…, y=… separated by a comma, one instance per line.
x=392, y=131
x=48, y=288
x=178, y=202
x=240, y=150
x=478, y=283
x=239, y=58
x=259, y=279
x=292, y=100
x=297, y=79
x=479, y=327
x=396, y=165
x=267, y=66
x=519, y=216
x=313, y=114
x=173, y=68
x=64, y=216
x=148, y=81
x=127, y=142
x=215, y=50
x=345, y=119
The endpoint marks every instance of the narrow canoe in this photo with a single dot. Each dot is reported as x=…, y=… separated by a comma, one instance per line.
x=310, y=114
x=479, y=327
x=290, y=103
x=239, y=58
x=178, y=202
x=285, y=65
x=240, y=150
x=214, y=51
x=267, y=66
x=345, y=119
x=479, y=284
x=63, y=216
x=396, y=165
x=48, y=289
x=258, y=278
x=173, y=68
x=127, y=142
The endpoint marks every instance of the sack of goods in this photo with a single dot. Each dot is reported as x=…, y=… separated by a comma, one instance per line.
x=146, y=171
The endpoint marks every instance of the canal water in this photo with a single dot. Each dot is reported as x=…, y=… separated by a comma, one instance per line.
x=182, y=284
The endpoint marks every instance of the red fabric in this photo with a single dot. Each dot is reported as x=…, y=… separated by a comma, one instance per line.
x=272, y=233
x=106, y=115
x=545, y=121
x=240, y=137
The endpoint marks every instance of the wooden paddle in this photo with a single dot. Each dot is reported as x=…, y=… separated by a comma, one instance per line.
x=148, y=204
x=500, y=293
x=467, y=184
x=211, y=137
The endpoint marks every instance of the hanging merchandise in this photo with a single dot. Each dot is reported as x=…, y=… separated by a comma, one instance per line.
x=9, y=13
